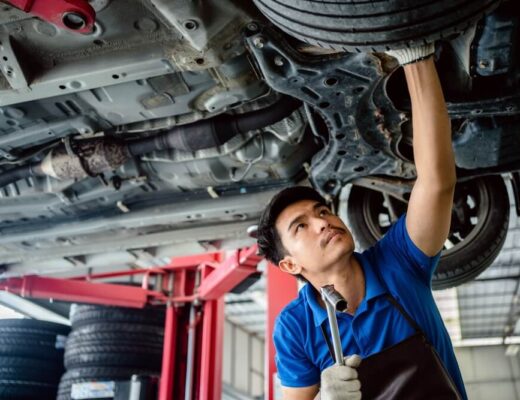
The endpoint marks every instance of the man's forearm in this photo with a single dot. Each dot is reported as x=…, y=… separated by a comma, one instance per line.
x=432, y=146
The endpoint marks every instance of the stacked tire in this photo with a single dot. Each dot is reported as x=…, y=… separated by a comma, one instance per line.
x=31, y=358
x=111, y=344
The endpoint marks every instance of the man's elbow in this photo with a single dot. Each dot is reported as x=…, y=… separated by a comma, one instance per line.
x=439, y=183
x=448, y=182
x=444, y=187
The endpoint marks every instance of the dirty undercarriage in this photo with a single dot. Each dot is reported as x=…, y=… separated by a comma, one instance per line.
x=165, y=130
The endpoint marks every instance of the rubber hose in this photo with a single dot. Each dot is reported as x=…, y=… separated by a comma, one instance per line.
x=15, y=174
x=216, y=131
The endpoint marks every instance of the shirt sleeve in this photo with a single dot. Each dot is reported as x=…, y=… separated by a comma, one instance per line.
x=295, y=369
x=397, y=241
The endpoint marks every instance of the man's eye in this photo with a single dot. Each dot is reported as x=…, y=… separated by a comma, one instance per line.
x=300, y=226
x=324, y=212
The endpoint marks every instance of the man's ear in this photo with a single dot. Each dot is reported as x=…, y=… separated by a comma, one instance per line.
x=287, y=264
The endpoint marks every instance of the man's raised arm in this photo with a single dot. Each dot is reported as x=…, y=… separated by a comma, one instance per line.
x=429, y=209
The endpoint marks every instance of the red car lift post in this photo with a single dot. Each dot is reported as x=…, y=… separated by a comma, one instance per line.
x=281, y=289
x=178, y=288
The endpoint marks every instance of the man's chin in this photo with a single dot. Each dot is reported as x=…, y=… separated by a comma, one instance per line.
x=338, y=252
x=343, y=242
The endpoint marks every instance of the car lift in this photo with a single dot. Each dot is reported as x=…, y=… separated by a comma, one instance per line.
x=193, y=289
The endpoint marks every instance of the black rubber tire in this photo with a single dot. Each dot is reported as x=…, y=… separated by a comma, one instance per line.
x=469, y=258
x=31, y=363
x=81, y=315
x=95, y=373
x=113, y=355
x=29, y=373
x=32, y=326
x=27, y=390
x=116, y=333
x=26, y=369
x=138, y=341
x=376, y=25
x=112, y=339
x=31, y=346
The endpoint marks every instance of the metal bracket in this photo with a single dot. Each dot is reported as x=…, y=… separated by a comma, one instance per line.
x=198, y=22
x=349, y=92
x=494, y=107
x=9, y=65
x=7, y=155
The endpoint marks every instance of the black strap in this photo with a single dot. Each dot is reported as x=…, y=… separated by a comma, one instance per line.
x=394, y=302
x=327, y=340
x=403, y=312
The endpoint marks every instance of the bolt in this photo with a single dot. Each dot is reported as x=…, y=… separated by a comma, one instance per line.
x=74, y=20
x=483, y=63
x=259, y=42
x=190, y=24
x=252, y=26
x=330, y=185
x=278, y=61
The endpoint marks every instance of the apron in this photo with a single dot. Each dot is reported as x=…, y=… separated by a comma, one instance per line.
x=408, y=370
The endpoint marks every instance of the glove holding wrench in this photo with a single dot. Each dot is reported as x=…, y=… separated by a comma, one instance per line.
x=340, y=381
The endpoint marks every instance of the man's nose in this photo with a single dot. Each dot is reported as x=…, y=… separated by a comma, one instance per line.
x=320, y=224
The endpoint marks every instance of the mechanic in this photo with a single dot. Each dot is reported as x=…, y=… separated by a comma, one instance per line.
x=391, y=317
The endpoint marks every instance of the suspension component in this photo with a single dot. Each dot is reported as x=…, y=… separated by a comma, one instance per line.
x=72, y=15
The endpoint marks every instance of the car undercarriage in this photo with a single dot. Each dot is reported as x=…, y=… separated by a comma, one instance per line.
x=166, y=128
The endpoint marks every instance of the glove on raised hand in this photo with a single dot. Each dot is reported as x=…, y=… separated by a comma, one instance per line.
x=412, y=54
x=340, y=382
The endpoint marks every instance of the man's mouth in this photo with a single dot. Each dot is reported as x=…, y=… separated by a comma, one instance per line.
x=331, y=235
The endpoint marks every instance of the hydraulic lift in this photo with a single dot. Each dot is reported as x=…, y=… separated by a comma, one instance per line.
x=192, y=289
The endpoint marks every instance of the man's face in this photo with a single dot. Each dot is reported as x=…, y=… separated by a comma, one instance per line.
x=314, y=238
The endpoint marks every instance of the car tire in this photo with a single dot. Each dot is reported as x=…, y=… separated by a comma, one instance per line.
x=468, y=258
x=373, y=25
x=34, y=347
x=25, y=390
x=34, y=327
x=113, y=355
x=81, y=315
x=29, y=373
x=30, y=363
x=79, y=375
x=107, y=333
x=31, y=359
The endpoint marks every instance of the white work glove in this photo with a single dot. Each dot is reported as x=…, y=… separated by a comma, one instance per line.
x=412, y=54
x=340, y=382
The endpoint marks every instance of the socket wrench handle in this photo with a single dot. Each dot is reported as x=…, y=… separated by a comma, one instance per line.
x=334, y=301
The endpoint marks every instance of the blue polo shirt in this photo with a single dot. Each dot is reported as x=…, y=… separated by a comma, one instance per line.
x=393, y=265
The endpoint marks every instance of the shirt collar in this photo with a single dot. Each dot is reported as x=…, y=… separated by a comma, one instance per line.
x=373, y=288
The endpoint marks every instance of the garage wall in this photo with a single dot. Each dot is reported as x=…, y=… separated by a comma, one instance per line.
x=488, y=373
x=243, y=363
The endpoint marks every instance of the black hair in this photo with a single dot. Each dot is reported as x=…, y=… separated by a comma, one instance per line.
x=268, y=239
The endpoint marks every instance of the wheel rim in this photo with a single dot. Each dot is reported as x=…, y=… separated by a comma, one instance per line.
x=469, y=215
